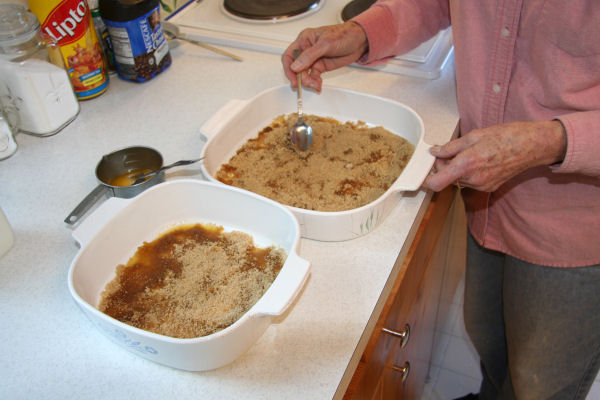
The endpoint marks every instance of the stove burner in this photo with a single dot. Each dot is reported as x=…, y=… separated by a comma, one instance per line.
x=269, y=9
x=355, y=7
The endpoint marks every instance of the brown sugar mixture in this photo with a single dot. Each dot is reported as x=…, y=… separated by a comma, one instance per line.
x=192, y=281
x=348, y=165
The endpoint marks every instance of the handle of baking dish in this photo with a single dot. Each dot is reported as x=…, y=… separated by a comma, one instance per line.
x=221, y=117
x=285, y=288
x=92, y=224
x=416, y=170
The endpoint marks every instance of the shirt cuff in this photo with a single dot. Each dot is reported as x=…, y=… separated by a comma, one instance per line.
x=583, y=143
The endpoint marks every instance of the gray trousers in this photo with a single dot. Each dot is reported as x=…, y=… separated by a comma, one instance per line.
x=536, y=328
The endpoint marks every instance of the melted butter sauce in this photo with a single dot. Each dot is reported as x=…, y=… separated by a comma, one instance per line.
x=154, y=263
x=128, y=178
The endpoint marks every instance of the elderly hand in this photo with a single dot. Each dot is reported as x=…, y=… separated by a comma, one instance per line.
x=486, y=158
x=323, y=49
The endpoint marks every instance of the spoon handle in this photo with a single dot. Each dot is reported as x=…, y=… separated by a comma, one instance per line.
x=299, y=79
x=178, y=163
x=141, y=178
x=211, y=48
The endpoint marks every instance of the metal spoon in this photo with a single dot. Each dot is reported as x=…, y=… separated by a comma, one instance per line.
x=141, y=178
x=172, y=32
x=301, y=134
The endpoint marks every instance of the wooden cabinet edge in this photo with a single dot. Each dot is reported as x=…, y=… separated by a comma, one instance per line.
x=355, y=367
x=432, y=215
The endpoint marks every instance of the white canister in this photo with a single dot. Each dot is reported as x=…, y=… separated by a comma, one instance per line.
x=42, y=94
x=33, y=80
x=7, y=238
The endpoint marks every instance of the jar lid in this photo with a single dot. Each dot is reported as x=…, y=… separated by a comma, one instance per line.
x=126, y=10
x=17, y=25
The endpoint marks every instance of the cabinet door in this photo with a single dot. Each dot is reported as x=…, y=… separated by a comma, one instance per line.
x=389, y=336
x=413, y=301
x=407, y=367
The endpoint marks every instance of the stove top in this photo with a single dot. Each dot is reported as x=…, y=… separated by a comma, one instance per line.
x=269, y=9
x=355, y=7
x=211, y=22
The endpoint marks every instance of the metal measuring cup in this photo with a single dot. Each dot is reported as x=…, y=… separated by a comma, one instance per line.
x=114, y=165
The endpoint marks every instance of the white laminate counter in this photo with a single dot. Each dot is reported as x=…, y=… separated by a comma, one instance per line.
x=50, y=350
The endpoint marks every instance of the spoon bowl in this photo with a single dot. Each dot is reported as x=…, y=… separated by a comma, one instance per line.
x=301, y=134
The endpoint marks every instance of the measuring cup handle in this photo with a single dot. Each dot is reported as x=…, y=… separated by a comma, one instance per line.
x=86, y=204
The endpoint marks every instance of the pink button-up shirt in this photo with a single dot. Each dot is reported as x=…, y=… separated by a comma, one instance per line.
x=519, y=60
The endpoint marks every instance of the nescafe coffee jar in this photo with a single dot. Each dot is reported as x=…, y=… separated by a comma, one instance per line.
x=138, y=41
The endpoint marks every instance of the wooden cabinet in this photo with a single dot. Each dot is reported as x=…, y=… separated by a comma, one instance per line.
x=396, y=360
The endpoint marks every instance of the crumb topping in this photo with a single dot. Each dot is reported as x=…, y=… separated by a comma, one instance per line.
x=192, y=281
x=348, y=165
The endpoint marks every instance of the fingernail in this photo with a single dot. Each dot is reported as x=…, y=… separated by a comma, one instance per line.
x=435, y=149
x=296, y=65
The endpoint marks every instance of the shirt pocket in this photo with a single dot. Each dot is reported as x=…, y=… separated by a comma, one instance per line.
x=571, y=26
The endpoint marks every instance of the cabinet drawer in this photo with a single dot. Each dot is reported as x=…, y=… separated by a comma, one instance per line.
x=412, y=301
x=387, y=343
x=407, y=368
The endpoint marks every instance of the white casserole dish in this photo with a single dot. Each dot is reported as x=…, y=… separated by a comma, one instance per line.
x=239, y=120
x=111, y=235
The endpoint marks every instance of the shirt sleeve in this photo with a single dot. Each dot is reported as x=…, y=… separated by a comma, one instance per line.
x=397, y=26
x=583, y=143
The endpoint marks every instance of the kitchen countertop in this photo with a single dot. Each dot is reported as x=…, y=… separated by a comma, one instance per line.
x=51, y=350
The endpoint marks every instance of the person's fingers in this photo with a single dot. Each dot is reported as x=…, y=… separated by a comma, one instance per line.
x=322, y=49
x=441, y=178
x=305, y=60
x=291, y=76
x=450, y=149
x=287, y=58
x=313, y=78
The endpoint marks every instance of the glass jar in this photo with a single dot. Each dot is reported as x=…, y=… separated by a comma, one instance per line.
x=35, y=89
x=21, y=37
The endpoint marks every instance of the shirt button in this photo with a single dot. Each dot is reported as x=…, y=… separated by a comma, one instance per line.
x=496, y=88
x=505, y=32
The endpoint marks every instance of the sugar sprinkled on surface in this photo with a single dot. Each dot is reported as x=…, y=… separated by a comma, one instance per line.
x=192, y=281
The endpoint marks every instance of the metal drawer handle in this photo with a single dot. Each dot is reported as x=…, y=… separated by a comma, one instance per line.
x=404, y=370
x=403, y=335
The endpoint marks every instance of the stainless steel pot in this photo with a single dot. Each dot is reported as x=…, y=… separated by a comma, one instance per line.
x=115, y=165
